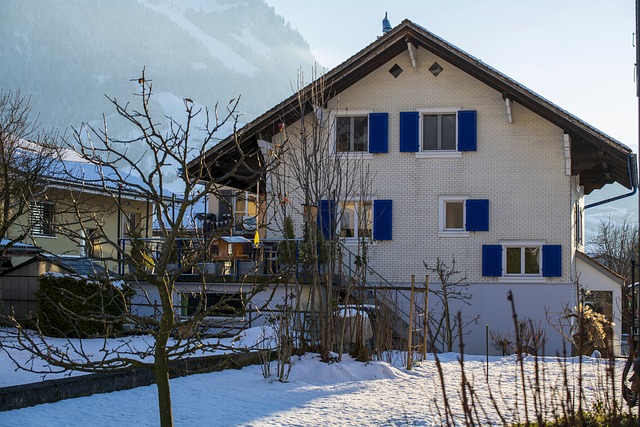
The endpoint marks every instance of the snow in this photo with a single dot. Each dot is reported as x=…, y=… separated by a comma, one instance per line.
x=339, y=393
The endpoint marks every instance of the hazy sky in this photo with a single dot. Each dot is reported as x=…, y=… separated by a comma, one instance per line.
x=578, y=54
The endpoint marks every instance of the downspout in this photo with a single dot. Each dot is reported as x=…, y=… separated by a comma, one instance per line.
x=632, y=166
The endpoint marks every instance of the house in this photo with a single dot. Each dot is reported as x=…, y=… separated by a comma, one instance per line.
x=465, y=163
x=85, y=210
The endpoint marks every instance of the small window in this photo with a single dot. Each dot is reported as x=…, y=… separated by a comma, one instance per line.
x=41, y=219
x=359, y=213
x=352, y=134
x=439, y=132
x=454, y=215
x=523, y=260
x=131, y=224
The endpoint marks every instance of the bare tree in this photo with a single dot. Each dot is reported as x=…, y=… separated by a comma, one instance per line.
x=451, y=288
x=613, y=243
x=174, y=332
x=24, y=165
x=316, y=183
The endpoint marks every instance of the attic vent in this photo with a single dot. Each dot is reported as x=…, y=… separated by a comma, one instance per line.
x=436, y=69
x=395, y=71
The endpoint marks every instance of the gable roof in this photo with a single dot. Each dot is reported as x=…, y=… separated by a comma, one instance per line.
x=595, y=156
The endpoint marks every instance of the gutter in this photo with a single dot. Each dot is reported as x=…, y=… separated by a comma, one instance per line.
x=632, y=166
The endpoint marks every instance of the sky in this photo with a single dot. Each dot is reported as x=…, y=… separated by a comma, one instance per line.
x=579, y=54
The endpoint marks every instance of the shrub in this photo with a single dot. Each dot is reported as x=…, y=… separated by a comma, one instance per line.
x=79, y=308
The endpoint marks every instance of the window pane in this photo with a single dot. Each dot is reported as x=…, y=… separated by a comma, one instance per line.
x=430, y=133
x=347, y=221
x=448, y=132
x=454, y=215
x=251, y=206
x=360, y=133
x=343, y=133
x=514, y=261
x=531, y=263
x=365, y=219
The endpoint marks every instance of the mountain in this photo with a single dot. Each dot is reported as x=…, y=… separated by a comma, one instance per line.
x=66, y=55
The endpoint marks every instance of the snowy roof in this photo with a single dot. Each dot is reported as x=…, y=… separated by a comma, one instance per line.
x=235, y=239
x=19, y=247
x=73, y=171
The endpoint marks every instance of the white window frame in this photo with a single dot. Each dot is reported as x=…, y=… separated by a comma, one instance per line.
x=334, y=133
x=356, y=220
x=427, y=154
x=522, y=277
x=443, y=231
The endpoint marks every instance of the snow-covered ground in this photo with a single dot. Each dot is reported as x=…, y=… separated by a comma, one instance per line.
x=345, y=393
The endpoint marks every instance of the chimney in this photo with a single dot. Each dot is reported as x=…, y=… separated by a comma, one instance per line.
x=386, y=25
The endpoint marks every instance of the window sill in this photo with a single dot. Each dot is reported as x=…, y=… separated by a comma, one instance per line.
x=355, y=156
x=453, y=234
x=44, y=236
x=521, y=279
x=436, y=154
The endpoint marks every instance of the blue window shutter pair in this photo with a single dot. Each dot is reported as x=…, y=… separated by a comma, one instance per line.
x=327, y=218
x=378, y=132
x=410, y=131
x=551, y=260
x=477, y=215
x=382, y=219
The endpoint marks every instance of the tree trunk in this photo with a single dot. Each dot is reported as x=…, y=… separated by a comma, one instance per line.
x=161, y=366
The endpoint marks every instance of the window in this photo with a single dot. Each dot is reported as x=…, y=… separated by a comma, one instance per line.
x=438, y=132
x=459, y=215
x=522, y=260
x=352, y=134
x=41, y=218
x=361, y=132
x=131, y=224
x=373, y=219
x=245, y=211
x=356, y=220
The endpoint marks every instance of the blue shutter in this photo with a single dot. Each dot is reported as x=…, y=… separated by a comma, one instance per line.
x=327, y=218
x=467, y=130
x=492, y=260
x=552, y=260
x=477, y=215
x=409, y=132
x=378, y=132
x=382, y=219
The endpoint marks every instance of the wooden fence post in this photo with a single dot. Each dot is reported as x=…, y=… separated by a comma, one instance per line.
x=409, y=343
x=425, y=320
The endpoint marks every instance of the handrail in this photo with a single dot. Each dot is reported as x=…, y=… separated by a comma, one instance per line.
x=405, y=315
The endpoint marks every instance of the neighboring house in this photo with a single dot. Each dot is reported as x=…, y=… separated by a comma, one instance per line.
x=468, y=164
x=84, y=210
